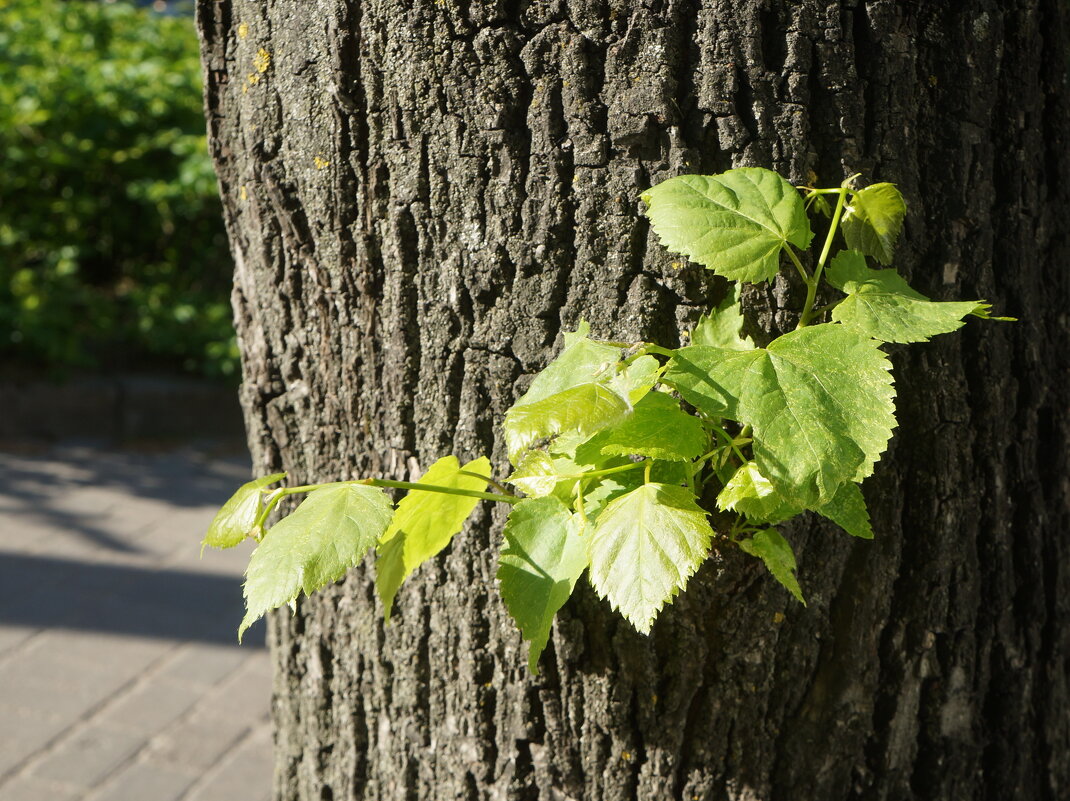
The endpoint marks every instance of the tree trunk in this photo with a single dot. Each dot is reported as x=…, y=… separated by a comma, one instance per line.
x=422, y=195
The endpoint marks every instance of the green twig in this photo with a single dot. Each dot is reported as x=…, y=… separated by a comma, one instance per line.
x=410, y=485
x=836, y=215
x=603, y=472
x=798, y=264
x=500, y=487
x=827, y=307
x=811, y=285
x=407, y=485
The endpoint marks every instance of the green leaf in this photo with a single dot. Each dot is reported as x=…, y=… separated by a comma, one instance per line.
x=607, y=489
x=882, y=305
x=644, y=546
x=657, y=428
x=776, y=553
x=692, y=373
x=543, y=557
x=873, y=220
x=985, y=313
x=735, y=223
x=237, y=519
x=752, y=495
x=425, y=522
x=819, y=204
x=722, y=327
x=636, y=379
x=326, y=535
x=819, y=400
x=573, y=395
x=584, y=409
x=536, y=475
x=581, y=361
x=848, y=511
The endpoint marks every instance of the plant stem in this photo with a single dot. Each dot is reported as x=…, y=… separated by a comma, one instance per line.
x=819, y=191
x=832, y=232
x=798, y=264
x=827, y=307
x=274, y=497
x=310, y=487
x=500, y=487
x=410, y=485
x=729, y=443
x=603, y=472
x=811, y=284
x=706, y=456
x=650, y=347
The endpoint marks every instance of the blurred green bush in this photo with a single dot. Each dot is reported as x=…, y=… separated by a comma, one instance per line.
x=112, y=248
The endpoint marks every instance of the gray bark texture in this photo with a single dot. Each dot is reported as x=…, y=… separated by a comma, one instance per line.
x=422, y=195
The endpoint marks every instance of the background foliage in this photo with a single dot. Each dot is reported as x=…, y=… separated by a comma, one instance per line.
x=112, y=248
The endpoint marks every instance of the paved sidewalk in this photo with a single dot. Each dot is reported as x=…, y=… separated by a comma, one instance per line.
x=120, y=674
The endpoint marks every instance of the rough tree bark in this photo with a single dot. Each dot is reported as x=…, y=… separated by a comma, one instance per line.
x=422, y=195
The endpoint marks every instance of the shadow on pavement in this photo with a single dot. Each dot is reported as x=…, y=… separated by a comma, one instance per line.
x=45, y=592
x=37, y=487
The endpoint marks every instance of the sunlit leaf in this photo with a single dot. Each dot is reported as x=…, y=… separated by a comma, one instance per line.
x=819, y=400
x=644, y=546
x=536, y=475
x=722, y=326
x=873, y=219
x=735, y=223
x=581, y=361
x=237, y=519
x=425, y=522
x=751, y=494
x=882, y=305
x=657, y=428
x=543, y=557
x=573, y=395
x=584, y=409
x=330, y=532
x=636, y=379
x=779, y=559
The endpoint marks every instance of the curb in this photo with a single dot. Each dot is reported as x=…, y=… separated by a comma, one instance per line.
x=120, y=408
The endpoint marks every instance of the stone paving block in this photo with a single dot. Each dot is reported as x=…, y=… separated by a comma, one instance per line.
x=87, y=757
x=198, y=740
x=114, y=634
x=246, y=693
x=67, y=539
x=132, y=617
x=151, y=706
x=14, y=637
x=25, y=788
x=245, y=774
x=103, y=651
x=148, y=781
x=205, y=664
x=46, y=682
x=23, y=534
x=64, y=672
x=24, y=733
